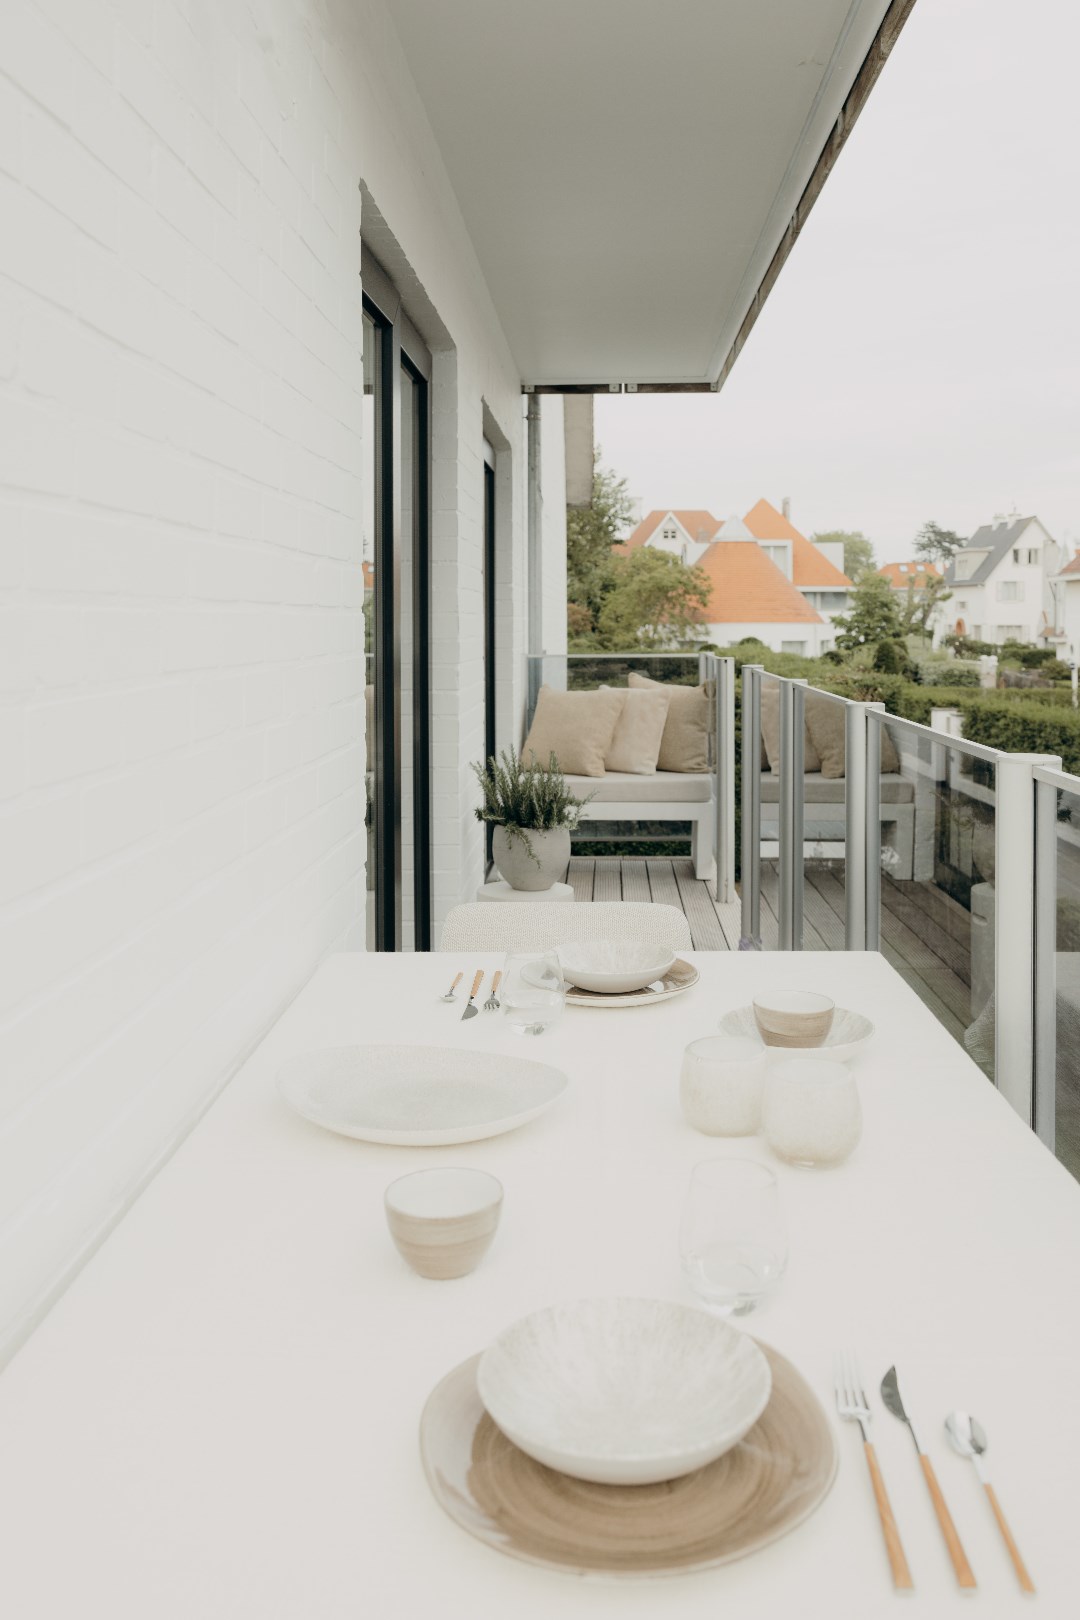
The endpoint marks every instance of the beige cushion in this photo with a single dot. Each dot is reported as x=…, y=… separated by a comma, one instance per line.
x=635, y=746
x=664, y=787
x=577, y=727
x=685, y=743
x=825, y=721
x=770, y=730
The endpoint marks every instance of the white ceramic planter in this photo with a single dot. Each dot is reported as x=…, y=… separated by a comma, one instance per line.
x=550, y=849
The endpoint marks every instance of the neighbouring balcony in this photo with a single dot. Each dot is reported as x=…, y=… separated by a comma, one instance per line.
x=861, y=831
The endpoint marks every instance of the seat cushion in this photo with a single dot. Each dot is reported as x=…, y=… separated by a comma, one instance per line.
x=685, y=743
x=819, y=789
x=577, y=727
x=666, y=787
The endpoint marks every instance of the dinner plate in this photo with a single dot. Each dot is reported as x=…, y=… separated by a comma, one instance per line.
x=680, y=976
x=848, y=1038
x=754, y=1494
x=417, y=1096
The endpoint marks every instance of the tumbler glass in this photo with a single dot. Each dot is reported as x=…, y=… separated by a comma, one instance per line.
x=733, y=1239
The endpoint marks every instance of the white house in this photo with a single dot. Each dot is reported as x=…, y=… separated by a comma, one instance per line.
x=767, y=580
x=1001, y=582
x=287, y=289
x=1067, y=598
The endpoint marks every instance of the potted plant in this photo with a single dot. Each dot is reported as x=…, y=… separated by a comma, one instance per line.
x=533, y=813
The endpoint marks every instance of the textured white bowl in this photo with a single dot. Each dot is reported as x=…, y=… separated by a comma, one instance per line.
x=847, y=1039
x=624, y=1391
x=614, y=966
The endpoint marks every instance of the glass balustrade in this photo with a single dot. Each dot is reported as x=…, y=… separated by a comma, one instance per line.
x=1057, y=998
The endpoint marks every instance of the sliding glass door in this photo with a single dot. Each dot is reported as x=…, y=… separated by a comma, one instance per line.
x=396, y=551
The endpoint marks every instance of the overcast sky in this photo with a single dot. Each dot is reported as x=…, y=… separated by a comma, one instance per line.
x=919, y=356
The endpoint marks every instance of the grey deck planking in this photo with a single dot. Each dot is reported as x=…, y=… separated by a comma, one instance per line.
x=579, y=875
x=705, y=930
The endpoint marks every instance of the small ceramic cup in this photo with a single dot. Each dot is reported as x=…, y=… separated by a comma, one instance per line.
x=793, y=1017
x=442, y=1221
x=721, y=1085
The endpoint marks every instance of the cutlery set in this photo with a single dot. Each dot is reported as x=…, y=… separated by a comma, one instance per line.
x=492, y=1003
x=966, y=1436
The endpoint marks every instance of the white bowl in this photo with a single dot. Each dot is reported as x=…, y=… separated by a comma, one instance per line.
x=624, y=1391
x=614, y=966
x=848, y=1037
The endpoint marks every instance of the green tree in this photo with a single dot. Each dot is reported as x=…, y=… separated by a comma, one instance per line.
x=937, y=545
x=591, y=531
x=918, y=605
x=874, y=615
x=858, y=551
x=654, y=601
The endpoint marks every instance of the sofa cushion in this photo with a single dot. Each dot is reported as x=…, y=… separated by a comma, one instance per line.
x=818, y=789
x=665, y=787
x=685, y=743
x=577, y=727
x=635, y=747
x=770, y=730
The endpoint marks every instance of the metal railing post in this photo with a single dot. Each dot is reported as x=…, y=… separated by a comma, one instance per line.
x=872, y=937
x=855, y=810
x=725, y=780
x=798, y=813
x=1014, y=928
x=751, y=804
x=786, y=918
x=1046, y=853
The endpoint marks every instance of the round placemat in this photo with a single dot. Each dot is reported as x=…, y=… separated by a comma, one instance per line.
x=680, y=976
x=751, y=1496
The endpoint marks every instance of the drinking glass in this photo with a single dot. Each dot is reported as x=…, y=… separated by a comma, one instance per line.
x=532, y=992
x=733, y=1240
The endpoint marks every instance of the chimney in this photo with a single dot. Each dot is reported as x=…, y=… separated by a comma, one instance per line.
x=785, y=507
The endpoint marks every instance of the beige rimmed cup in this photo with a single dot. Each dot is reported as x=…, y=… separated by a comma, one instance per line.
x=793, y=1018
x=442, y=1221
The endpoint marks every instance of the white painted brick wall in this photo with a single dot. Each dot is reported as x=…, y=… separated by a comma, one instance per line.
x=180, y=673
x=181, y=725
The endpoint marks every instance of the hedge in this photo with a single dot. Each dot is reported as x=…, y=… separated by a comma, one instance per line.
x=1018, y=726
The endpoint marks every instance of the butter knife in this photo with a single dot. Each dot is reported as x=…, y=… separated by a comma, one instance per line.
x=890, y=1394
x=470, y=1010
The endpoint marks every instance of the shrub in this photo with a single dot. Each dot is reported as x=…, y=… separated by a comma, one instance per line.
x=1018, y=726
x=891, y=658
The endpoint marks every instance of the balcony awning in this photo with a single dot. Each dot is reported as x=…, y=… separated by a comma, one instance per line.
x=632, y=173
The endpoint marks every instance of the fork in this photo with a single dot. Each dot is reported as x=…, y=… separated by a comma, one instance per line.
x=851, y=1403
x=492, y=1003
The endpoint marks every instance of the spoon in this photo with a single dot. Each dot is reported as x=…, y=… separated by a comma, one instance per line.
x=449, y=996
x=968, y=1437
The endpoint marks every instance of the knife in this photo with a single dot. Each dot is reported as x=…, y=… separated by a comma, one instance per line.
x=470, y=1010
x=890, y=1394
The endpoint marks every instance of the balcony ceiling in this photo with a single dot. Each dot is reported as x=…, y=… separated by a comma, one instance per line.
x=628, y=168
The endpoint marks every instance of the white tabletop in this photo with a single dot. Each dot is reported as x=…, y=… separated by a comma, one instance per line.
x=220, y=1417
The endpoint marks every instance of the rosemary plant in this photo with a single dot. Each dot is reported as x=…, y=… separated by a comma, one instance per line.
x=526, y=798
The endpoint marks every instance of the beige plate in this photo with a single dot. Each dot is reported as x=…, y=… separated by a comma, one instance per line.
x=679, y=977
x=772, y=1480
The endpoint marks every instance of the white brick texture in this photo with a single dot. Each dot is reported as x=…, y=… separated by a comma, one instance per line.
x=181, y=770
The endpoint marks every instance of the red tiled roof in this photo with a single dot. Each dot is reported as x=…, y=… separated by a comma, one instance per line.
x=748, y=588
x=1074, y=566
x=901, y=575
x=809, y=566
x=694, y=522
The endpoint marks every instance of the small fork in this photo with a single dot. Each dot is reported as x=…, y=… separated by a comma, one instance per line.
x=492, y=1004
x=851, y=1403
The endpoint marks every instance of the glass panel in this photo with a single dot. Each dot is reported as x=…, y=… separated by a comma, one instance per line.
x=370, y=519
x=407, y=471
x=773, y=779
x=824, y=801
x=1066, y=983
x=937, y=879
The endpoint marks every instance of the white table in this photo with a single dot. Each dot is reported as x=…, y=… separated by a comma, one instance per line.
x=219, y=1420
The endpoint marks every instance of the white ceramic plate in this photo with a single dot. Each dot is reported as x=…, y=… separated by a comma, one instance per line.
x=417, y=1096
x=624, y=1391
x=848, y=1038
x=680, y=976
x=613, y=967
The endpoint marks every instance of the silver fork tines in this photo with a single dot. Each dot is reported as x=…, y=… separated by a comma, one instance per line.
x=852, y=1404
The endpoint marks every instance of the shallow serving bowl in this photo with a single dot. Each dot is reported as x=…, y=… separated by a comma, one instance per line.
x=614, y=966
x=849, y=1034
x=418, y=1096
x=624, y=1391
